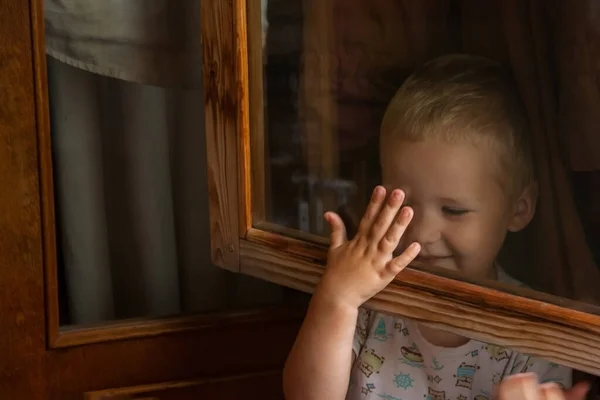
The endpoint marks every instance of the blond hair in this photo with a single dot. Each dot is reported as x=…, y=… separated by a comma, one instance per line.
x=462, y=98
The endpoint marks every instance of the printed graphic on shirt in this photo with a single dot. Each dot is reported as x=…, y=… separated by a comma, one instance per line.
x=411, y=356
x=436, y=365
x=496, y=378
x=522, y=365
x=528, y=364
x=497, y=353
x=473, y=353
x=388, y=397
x=483, y=396
x=403, y=381
x=435, y=394
x=518, y=366
x=464, y=375
x=370, y=362
x=399, y=326
x=381, y=331
x=416, y=371
x=361, y=334
x=368, y=388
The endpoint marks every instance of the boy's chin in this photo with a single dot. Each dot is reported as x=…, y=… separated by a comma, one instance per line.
x=442, y=264
x=444, y=271
x=448, y=268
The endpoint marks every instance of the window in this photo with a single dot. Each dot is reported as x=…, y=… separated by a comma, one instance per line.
x=295, y=93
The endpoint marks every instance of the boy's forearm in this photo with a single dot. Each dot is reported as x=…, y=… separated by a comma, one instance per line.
x=318, y=366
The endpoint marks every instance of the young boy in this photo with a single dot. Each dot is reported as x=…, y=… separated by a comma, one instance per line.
x=455, y=151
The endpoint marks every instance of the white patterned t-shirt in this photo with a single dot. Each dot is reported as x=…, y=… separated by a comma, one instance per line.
x=395, y=362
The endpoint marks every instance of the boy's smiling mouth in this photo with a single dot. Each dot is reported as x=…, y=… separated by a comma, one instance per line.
x=430, y=260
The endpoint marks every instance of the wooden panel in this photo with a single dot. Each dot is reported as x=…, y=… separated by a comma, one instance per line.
x=219, y=351
x=21, y=274
x=264, y=386
x=140, y=328
x=153, y=353
x=221, y=54
x=532, y=326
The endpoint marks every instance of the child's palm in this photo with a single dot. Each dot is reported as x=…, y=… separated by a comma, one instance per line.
x=526, y=387
x=360, y=268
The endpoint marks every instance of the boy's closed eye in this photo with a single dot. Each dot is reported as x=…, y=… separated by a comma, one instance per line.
x=455, y=211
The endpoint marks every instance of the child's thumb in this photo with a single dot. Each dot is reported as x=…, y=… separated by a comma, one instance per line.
x=338, y=229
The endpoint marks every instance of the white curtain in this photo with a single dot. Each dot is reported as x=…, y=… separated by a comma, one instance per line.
x=129, y=162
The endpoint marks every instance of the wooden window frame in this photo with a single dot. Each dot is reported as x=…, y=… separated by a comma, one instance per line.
x=58, y=336
x=538, y=324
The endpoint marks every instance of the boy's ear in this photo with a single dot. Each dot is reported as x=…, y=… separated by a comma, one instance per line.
x=524, y=208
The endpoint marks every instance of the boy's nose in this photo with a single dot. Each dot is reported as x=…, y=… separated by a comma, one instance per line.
x=424, y=229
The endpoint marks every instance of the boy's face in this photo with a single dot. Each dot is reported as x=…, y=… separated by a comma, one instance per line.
x=462, y=203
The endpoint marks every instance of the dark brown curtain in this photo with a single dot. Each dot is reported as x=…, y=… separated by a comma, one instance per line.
x=575, y=33
x=562, y=259
x=555, y=256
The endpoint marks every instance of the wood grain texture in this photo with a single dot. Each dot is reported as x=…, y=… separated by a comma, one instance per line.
x=532, y=302
x=142, y=328
x=257, y=172
x=242, y=348
x=21, y=274
x=46, y=173
x=221, y=55
x=264, y=386
x=535, y=327
x=98, y=358
x=243, y=119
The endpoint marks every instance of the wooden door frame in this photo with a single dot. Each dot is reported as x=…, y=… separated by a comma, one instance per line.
x=22, y=341
x=39, y=360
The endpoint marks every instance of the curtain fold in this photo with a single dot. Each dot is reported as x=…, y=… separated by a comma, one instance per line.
x=563, y=261
x=129, y=158
x=152, y=42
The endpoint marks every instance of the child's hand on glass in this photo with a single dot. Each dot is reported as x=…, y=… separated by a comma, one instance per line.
x=526, y=387
x=360, y=268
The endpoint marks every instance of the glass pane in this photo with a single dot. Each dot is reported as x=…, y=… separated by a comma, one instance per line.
x=477, y=161
x=129, y=161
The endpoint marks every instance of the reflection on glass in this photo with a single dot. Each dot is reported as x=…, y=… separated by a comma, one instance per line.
x=126, y=103
x=331, y=68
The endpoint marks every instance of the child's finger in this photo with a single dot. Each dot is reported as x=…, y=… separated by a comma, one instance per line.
x=392, y=237
x=338, y=229
x=551, y=391
x=396, y=266
x=519, y=387
x=386, y=216
x=578, y=392
x=372, y=211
